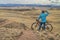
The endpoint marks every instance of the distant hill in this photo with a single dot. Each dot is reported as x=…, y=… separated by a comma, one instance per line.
x=9, y=5
x=28, y=5
x=12, y=5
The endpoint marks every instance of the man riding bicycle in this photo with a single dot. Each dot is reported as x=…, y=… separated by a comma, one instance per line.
x=43, y=17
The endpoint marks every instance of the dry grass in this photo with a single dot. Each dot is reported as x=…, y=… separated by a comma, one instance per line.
x=18, y=19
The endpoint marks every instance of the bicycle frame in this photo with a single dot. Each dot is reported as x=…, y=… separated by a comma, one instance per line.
x=38, y=22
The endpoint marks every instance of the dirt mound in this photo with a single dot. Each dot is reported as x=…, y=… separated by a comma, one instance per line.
x=16, y=25
x=12, y=24
x=2, y=21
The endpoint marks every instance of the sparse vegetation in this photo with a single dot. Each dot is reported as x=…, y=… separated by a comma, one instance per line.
x=13, y=25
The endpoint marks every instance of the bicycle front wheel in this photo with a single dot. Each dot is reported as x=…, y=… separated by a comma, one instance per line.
x=34, y=26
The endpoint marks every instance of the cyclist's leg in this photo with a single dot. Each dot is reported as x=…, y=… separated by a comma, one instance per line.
x=40, y=26
x=43, y=26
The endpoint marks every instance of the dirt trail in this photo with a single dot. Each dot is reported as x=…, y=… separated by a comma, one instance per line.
x=31, y=35
x=28, y=35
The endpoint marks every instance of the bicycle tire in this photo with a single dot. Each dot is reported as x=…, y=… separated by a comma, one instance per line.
x=50, y=28
x=34, y=25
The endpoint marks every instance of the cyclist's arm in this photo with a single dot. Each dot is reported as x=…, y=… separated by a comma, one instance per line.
x=47, y=13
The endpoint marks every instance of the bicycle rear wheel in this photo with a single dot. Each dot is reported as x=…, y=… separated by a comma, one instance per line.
x=49, y=27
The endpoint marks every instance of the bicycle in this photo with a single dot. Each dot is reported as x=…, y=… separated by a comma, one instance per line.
x=48, y=26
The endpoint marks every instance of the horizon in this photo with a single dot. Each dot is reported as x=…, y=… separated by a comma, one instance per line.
x=7, y=5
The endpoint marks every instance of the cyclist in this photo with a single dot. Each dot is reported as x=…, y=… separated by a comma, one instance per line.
x=42, y=17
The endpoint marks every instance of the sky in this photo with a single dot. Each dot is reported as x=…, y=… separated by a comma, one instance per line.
x=28, y=1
